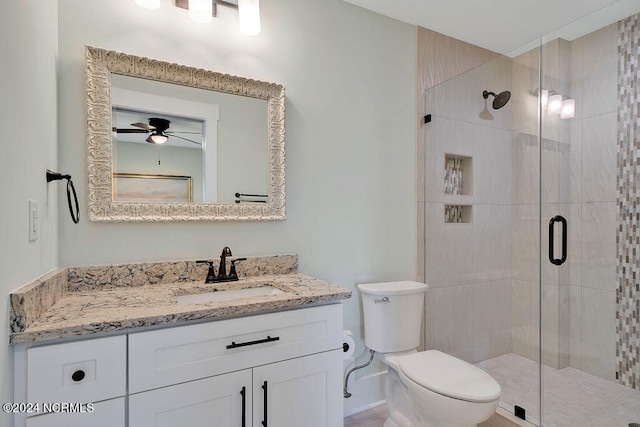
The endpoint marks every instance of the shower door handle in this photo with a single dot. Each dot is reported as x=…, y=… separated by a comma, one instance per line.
x=552, y=223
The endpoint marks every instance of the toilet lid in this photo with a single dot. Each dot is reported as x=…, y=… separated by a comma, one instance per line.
x=446, y=375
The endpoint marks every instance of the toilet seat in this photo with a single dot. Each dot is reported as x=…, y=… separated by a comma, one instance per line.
x=449, y=376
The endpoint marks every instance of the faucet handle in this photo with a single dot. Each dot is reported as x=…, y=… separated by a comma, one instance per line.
x=232, y=270
x=211, y=274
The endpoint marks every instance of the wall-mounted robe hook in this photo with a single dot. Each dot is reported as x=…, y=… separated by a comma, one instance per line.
x=56, y=176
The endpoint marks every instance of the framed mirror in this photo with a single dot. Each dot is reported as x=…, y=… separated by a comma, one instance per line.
x=168, y=142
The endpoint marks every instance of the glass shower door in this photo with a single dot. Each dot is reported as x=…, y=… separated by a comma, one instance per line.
x=589, y=226
x=531, y=214
x=481, y=220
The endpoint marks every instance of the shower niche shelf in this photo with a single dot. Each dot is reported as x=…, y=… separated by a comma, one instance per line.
x=458, y=214
x=458, y=173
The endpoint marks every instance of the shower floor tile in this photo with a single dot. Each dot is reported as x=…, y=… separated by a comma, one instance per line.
x=571, y=397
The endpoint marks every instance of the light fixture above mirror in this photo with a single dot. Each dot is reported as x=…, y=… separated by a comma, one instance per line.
x=205, y=10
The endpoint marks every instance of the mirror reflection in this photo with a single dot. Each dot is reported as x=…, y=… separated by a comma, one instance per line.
x=228, y=129
x=161, y=151
x=216, y=140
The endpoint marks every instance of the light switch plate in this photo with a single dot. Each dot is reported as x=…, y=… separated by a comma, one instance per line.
x=34, y=221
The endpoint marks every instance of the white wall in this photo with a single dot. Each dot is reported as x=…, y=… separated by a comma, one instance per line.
x=28, y=119
x=350, y=134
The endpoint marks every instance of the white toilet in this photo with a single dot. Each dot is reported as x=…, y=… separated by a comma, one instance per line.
x=428, y=388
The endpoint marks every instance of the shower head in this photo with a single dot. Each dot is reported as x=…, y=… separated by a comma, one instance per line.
x=499, y=100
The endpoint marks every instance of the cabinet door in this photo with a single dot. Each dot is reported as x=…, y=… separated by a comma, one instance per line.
x=216, y=401
x=109, y=413
x=299, y=392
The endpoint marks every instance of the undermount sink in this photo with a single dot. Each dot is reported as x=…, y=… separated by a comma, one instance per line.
x=224, y=295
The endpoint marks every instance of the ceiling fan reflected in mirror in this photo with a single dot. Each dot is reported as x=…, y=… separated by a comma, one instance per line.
x=158, y=130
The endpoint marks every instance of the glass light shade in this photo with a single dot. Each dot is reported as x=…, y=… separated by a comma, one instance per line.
x=544, y=98
x=555, y=104
x=157, y=139
x=148, y=4
x=249, y=16
x=568, y=108
x=201, y=10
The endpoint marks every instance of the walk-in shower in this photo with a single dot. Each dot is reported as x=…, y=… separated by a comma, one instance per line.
x=531, y=245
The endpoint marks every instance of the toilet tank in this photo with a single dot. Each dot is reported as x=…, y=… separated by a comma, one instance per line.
x=392, y=315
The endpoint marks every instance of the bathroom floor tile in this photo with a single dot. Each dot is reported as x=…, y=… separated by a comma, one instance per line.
x=372, y=418
x=571, y=397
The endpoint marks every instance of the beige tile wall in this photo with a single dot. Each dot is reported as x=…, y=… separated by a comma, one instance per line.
x=467, y=265
x=494, y=261
x=577, y=180
x=439, y=59
x=587, y=195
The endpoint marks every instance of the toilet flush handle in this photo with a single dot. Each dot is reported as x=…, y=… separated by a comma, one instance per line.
x=381, y=300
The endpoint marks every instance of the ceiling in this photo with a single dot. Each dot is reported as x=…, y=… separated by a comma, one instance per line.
x=505, y=26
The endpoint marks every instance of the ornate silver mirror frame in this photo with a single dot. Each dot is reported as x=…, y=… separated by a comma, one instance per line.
x=100, y=64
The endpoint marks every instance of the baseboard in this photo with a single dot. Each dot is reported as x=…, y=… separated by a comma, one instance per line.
x=366, y=393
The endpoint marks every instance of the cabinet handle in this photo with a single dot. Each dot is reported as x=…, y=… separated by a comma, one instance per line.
x=264, y=387
x=78, y=375
x=244, y=407
x=244, y=344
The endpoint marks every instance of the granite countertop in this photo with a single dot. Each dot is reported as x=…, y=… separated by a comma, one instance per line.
x=85, y=310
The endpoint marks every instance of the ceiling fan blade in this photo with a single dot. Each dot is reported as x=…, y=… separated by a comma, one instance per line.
x=179, y=131
x=130, y=130
x=194, y=142
x=144, y=126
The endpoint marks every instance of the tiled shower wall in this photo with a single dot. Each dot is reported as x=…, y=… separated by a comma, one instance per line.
x=628, y=193
x=467, y=264
x=577, y=181
x=587, y=191
x=491, y=264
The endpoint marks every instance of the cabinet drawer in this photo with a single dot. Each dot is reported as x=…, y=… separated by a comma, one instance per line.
x=77, y=372
x=105, y=414
x=170, y=356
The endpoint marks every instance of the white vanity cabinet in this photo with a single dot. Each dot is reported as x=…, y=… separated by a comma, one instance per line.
x=223, y=401
x=304, y=391
x=284, y=368
x=281, y=369
x=110, y=413
x=73, y=384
